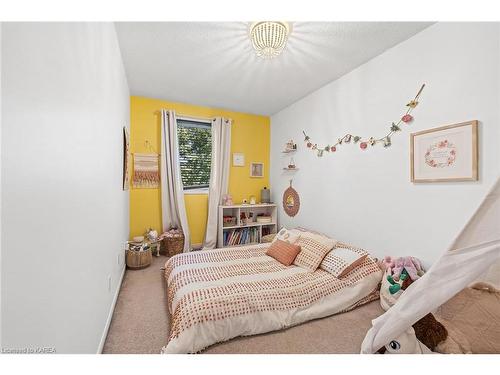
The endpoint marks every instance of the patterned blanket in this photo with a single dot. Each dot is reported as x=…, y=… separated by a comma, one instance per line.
x=216, y=295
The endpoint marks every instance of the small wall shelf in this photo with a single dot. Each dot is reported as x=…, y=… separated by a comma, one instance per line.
x=288, y=151
x=290, y=169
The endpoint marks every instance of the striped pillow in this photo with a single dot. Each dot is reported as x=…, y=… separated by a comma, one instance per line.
x=313, y=249
x=343, y=259
x=283, y=252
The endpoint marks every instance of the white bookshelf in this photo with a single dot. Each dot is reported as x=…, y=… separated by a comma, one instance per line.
x=253, y=227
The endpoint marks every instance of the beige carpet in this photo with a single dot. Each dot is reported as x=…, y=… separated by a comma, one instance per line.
x=140, y=324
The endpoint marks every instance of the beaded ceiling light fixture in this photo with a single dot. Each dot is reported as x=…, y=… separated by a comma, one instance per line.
x=269, y=38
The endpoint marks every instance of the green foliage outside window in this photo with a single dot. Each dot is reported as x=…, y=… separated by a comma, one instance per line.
x=195, y=153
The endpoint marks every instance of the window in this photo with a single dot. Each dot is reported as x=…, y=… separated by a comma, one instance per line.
x=195, y=153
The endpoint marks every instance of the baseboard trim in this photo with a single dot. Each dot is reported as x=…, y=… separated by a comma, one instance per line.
x=110, y=314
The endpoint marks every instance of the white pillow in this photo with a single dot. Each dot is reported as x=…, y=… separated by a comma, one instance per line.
x=343, y=259
x=286, y=236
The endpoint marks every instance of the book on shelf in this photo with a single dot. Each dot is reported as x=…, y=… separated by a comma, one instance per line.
x=241, y=236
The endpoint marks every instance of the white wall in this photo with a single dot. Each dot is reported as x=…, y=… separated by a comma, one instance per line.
x=65, y=217
x=366, y=197
x=0, y=185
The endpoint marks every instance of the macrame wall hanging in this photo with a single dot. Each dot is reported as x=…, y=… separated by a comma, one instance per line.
x=364, y=142
x=146, y=171
x=291, y=201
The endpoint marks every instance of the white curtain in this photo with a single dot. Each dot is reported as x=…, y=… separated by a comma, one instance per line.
x=173, y=210
x=473, y=256
x=219, y=176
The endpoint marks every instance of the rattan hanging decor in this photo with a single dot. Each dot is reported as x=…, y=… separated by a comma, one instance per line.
x=291, y=201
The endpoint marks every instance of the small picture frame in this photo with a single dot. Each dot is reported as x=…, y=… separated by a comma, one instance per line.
x=238, y=159
x=447, y=153
x=257, y=170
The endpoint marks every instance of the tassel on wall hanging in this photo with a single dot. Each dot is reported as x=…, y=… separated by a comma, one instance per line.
x=386, y=140
x=146, y=171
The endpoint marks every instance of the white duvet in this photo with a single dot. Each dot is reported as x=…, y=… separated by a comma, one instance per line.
x=216, y=295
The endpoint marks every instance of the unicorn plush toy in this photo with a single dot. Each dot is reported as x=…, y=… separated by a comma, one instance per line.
x=406, y=343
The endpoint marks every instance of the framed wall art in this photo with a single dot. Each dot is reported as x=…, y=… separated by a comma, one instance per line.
x=126, y=158
x=257, y=170
x=447, y=153
x=238, y=159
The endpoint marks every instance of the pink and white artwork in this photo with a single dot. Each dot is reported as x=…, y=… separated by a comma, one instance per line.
x=448, y=153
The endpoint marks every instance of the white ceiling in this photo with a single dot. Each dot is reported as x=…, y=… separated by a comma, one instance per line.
x=213, y=64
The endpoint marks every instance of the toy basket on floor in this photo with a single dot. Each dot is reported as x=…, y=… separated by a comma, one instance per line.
x=172, y=242
x=139, y=259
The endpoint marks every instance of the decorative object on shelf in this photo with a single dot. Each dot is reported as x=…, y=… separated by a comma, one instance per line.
x=244, y=201
x=386, y=140
x=265, y=195
x=269, y=38
x=229, y=221
x=291, y=165
x=151, y=234
x=146, y=171
x=238, y=159
x=172, y=241
x=291, y=201
x=447, y=153
x=126, y=158
x=252, y=199
x=243, y=218
x=290, y=146
x=227, y=200
x=264, y=219
x=257, y=170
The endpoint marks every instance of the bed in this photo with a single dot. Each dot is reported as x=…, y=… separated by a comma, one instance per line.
x=219, y=294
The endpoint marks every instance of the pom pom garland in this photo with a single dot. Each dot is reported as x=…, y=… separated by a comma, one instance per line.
x=363, y=143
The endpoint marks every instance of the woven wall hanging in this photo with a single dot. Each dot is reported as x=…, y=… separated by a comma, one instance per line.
x=146, y=171
x=291, y=201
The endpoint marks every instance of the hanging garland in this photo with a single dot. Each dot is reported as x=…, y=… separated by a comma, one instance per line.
x=363, y=143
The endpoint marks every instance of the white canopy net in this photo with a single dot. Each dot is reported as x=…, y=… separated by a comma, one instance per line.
x=474, y=256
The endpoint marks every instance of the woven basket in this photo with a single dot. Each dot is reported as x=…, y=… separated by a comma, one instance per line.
x=172, y=242
x=138, y=259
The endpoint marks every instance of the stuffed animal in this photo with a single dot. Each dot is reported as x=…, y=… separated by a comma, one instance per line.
x=412, y=266
x=398, y=284
x=406, y=343
x=398, y=268
x=387, y=263
x=428, y=330
x=389, y=293
x=399, y=274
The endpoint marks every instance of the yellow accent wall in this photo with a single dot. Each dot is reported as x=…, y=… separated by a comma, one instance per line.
x=250, y=135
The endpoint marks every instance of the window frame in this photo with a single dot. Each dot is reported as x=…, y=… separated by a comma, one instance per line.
x=190, y=122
